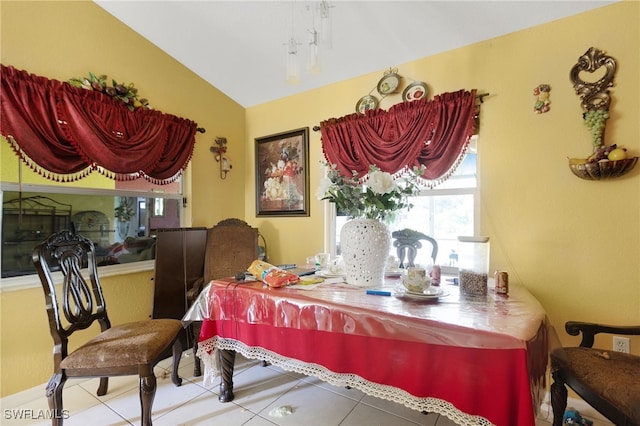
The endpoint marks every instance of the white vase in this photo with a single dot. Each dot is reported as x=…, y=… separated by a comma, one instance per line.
x=365, y=247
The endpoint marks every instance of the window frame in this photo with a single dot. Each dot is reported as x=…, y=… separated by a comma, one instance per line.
x=330, y=212
x=32, y=280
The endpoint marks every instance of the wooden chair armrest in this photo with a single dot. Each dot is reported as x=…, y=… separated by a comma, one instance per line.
x=589, y=330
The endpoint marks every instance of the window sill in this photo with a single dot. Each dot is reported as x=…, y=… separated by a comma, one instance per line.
x=32, y=281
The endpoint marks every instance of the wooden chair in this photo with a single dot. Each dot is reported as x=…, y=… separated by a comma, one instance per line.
x=232, y=244
x=126, y=349
x=608, y=381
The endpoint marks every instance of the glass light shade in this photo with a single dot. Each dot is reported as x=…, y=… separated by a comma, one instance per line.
x=313, y=54
x=326, y=30
x=292, y=68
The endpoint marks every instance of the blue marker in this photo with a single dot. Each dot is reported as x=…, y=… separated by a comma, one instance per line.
x=379, y=292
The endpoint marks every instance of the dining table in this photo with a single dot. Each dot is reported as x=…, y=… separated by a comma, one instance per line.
x=476, y=359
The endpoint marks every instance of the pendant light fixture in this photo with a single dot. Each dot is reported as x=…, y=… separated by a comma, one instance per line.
x=317, y=40
x=313, y=49
x=292, y=67
x=293, y=70
x=326, y=30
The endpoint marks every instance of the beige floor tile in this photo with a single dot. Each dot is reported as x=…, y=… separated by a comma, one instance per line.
x=309, y=405
x=367, y=415
x=205, y=409
x=257, y=387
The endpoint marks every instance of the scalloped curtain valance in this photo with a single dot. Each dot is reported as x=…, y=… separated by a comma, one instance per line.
x=432, y=133
x=65, y=133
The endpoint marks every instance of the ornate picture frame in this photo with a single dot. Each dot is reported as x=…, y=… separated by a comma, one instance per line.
x=282, y=174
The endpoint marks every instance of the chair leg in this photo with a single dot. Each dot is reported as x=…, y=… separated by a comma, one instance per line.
x=177, y=356
x=558, y=398
x=103, y=387
x=54, y=397
x=147, y=393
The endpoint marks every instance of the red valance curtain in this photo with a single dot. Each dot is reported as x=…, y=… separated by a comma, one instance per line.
x=431, y=133
x=65, y=132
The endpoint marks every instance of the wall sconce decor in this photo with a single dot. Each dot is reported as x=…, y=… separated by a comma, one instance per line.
x=606, y=161
x=221, y=157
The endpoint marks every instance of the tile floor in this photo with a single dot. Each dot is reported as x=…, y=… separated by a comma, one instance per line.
x=259, y=392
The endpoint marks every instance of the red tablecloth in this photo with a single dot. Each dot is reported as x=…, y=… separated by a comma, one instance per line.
x=468, y=358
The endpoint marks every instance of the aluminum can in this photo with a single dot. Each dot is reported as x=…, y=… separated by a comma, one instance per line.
x=502, y=282
x=435, y=275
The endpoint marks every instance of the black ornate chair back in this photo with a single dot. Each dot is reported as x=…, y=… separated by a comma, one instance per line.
x=80, y=302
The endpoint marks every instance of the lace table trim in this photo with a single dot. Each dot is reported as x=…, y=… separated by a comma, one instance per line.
x=206, y=352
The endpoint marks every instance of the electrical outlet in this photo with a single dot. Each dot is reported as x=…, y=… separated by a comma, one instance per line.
x=621, y=344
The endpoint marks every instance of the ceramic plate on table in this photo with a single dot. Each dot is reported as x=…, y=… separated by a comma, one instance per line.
x=394, y=272
x=430, y=294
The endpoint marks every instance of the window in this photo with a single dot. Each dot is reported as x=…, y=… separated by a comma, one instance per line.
x=118, y=222
x=444, y=213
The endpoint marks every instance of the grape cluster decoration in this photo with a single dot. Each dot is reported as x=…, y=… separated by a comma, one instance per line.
x=595, y=121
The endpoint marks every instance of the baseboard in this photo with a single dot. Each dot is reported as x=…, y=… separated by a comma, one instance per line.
x=585, y=410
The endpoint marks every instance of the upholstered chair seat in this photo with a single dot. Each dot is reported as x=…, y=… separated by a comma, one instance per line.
x=124, y=347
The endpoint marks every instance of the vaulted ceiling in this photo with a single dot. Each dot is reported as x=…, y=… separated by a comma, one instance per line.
x=240, y=46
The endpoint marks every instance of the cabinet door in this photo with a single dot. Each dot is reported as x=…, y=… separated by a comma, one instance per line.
x=179, y=262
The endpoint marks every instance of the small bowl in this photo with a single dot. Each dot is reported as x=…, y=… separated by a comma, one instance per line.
x=603, y=170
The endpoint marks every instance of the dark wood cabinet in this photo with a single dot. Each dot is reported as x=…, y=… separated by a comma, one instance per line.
x=179, y=263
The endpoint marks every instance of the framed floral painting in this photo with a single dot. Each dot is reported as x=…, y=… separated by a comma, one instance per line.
x=282, y=174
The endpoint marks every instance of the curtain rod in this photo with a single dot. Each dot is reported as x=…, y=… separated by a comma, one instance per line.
x=479, y=96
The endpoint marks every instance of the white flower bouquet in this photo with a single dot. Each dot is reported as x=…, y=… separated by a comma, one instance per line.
x=377, y=196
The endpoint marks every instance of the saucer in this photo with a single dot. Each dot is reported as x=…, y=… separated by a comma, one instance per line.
x=431, y=291
x=329, y=274
x=396, y=272
x=428, y=294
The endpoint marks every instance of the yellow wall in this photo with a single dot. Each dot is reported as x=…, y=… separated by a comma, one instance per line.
x=27, y=346
x=574, y=244
x=60, y=40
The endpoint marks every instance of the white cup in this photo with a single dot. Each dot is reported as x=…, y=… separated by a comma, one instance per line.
x=416, y=274
x=322, y=260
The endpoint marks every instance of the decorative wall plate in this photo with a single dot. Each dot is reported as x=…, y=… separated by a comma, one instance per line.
x=366, y=103
x=389, y=83
x=414, y=91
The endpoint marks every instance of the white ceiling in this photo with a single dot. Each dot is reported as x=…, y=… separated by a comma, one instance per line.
x=239, y=46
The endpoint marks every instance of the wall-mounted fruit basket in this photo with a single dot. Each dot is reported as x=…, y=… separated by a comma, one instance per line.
x=603, y=170
x=606, y=161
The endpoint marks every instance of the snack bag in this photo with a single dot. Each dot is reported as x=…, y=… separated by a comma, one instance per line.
x=271, y=275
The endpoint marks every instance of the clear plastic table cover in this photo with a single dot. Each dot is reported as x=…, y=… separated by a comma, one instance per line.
x=507, y=325
x=491, y=321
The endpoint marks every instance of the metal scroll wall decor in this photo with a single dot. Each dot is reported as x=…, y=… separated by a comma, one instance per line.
x=606, y=161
